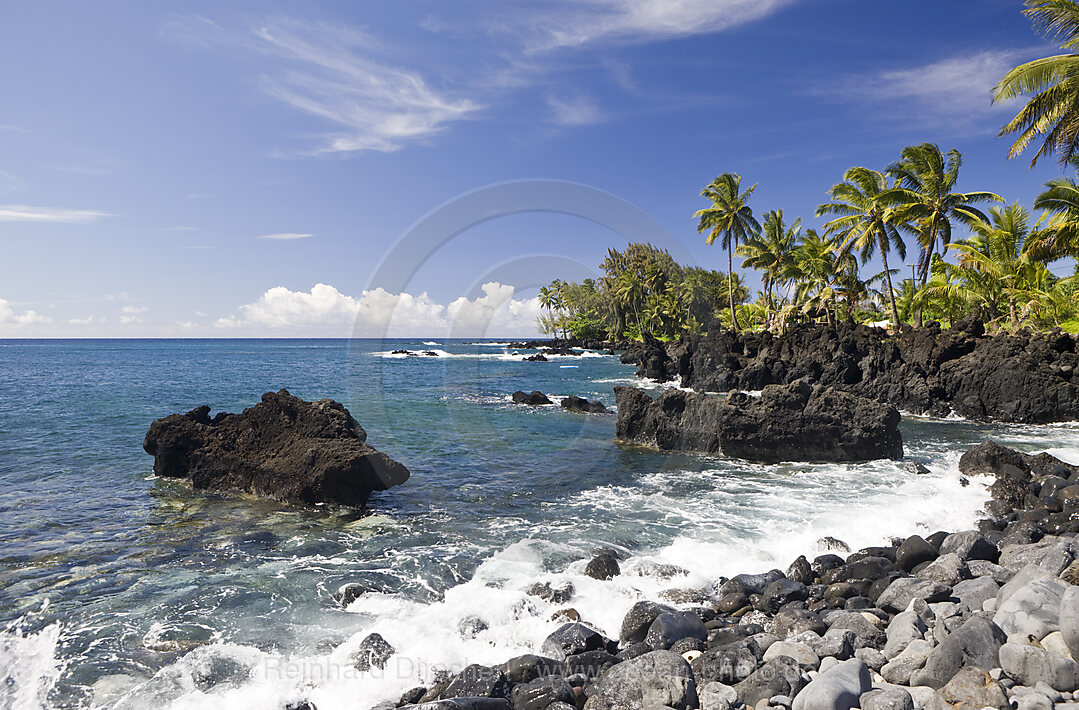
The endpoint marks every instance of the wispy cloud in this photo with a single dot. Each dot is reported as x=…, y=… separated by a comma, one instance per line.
x=284, y=236
x=579, y=110
x=339, y=75
x=956, y=88
x=10, y=182
x=581, y=22
x=13, y=129
x=24, y=213
x=178, y=228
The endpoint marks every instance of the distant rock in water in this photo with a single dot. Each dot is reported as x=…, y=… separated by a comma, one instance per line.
x=795, y=422
x=574, y=403
x=535, y=358
x=533, y=398
x=1025, y=377
x=283, y=447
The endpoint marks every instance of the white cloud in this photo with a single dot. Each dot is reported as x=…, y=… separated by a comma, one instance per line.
x=285, y=236
x=958, y=87
x=336, y=74
x=585, y=21
x=13, y=129
x=134, y=309
x=378, y=313
x=24, y=213
x=178, y=229
x=578, y=110
x=8, y=316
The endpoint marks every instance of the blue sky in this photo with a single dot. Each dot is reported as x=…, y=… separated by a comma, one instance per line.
x=226, y=169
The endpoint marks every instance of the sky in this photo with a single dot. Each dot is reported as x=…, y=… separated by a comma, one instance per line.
x=420, y=168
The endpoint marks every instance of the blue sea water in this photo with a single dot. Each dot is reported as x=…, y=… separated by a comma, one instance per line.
x=121, y=590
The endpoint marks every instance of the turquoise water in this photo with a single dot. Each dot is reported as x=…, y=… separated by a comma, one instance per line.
x=118, y=589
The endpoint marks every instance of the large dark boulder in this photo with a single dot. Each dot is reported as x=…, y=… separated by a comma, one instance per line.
x=1023, y=377
x=283, y=447
x=581, y=405
x=796, y=422
x=534, y=398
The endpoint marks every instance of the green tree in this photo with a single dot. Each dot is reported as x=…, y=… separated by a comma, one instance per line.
x=1060, y=236
x=865, y=220
x=997, y=250
x=927, y=202
x=770, y=252
x=729, y=217
x=1053, y=110
x=814, y=267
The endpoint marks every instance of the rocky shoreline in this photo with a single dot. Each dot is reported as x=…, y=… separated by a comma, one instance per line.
x=978, y=618
x=1025, y=378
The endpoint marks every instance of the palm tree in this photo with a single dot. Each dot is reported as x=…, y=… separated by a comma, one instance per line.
x=1053, y=110
x=866, y=220
x=1060, y=236
x=729, y=217
x=630, y=292
x=814, y=267
x=926, y=202
x=770, y=251
x=997, y=250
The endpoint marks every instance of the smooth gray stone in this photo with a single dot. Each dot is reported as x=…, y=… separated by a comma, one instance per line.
x=976, y=643
x=1069, y=619
x=1033, y=609
x=839, y=688
x=1030, y=665
x=974, y=592
x=889, y=699
x=656, y=678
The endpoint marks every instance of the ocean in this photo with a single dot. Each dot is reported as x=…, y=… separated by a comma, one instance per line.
x=122, y=590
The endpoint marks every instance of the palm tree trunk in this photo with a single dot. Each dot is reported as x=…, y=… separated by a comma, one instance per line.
x=1014, y=316
x=891, y=291
x=730, y=285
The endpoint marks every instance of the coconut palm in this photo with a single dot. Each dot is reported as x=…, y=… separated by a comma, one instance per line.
x=926, y=202
x=863, y=202
x=1053, y=110
x=813, y=266
x=770, y=251
x=1060, y=236
x=730, y=217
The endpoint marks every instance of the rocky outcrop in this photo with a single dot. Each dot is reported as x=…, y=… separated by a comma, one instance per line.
x=283, y=447
x=534, y=398
x=581, y=405
x=1030, y=378
x=795, y=422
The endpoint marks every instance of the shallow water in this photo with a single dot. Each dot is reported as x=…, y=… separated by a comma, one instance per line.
x=121, y=590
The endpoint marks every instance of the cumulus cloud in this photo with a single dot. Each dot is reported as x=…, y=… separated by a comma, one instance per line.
x=8, y=316
x=378, y=313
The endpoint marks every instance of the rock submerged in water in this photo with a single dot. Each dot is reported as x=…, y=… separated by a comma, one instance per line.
x=534, y=398
x=795, y=422
x=574, y=403
x=283, y=447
